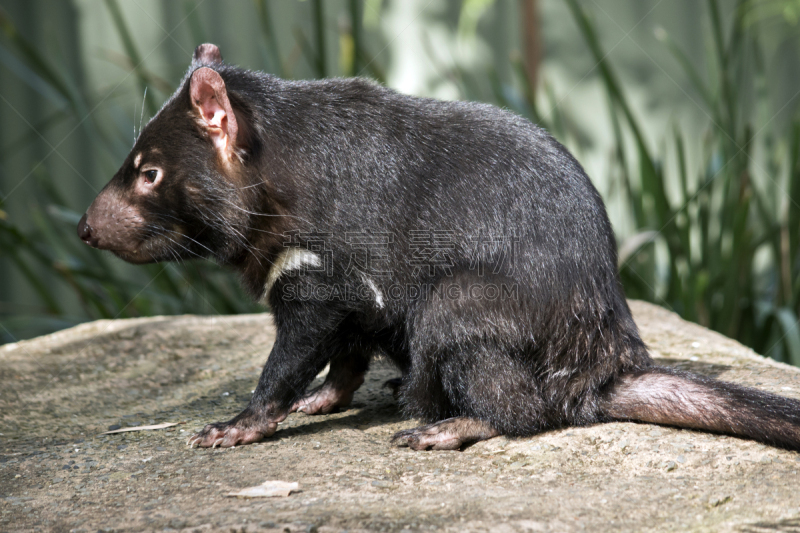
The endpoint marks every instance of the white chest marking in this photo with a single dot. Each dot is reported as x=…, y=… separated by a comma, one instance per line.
x=288, y=260
x=374, y=288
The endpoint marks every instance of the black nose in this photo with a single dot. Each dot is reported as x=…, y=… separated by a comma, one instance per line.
x=85, y=232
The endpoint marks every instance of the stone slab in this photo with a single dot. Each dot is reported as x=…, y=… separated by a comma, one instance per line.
x=59, y=392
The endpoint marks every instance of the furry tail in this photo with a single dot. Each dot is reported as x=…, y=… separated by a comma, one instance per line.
x=664, y=396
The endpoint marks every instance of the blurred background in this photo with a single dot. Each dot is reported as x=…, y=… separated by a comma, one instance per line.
x=684, y=113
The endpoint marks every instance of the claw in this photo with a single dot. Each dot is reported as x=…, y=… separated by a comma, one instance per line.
x=401, y=438
x=244, y=429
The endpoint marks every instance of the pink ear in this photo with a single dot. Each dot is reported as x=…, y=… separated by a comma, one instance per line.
x=210, y=101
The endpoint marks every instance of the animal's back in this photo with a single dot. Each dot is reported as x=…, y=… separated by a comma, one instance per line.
x=393, y=163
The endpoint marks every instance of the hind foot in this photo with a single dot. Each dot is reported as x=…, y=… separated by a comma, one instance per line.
x=337, y=391
x=323, y=400
x=450, y=434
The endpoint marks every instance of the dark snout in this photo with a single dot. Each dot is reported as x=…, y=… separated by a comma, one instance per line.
x=85, y=232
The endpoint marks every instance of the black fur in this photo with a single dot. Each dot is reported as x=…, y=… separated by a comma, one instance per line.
x=450, y=197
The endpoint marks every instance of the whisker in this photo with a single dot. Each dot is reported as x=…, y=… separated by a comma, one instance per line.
x=217, y=222
x=183, y=234
x=144, y=98
x=263, y=214
x=164, y=233
x=259, y=184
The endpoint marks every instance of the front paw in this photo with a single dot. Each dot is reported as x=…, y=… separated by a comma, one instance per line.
x=244, y=429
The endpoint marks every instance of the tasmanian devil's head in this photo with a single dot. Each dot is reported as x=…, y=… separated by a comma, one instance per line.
x=183, y=191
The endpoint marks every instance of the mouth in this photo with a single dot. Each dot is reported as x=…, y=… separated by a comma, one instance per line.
x=123, y=253
x=136, y=255
x=96, y=244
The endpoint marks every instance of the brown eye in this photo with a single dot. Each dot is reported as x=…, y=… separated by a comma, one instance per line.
x=150, y=176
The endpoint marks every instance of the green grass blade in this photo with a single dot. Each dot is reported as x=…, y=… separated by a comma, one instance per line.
x=685, y=63
x=357, y=25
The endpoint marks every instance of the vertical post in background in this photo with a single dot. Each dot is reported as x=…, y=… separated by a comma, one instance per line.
x=532, y=49
x=268, y=31
x=319, y=28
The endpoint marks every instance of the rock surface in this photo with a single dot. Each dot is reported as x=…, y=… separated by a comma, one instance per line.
x=59, y=392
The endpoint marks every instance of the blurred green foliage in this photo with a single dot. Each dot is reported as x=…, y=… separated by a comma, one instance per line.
x=731, y=241
x=717, y=242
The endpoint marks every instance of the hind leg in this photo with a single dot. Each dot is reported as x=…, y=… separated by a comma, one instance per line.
x=345, y=376
x=481, y=393
x=472, y=374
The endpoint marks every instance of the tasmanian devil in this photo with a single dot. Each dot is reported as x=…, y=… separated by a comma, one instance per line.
x=458, y=239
